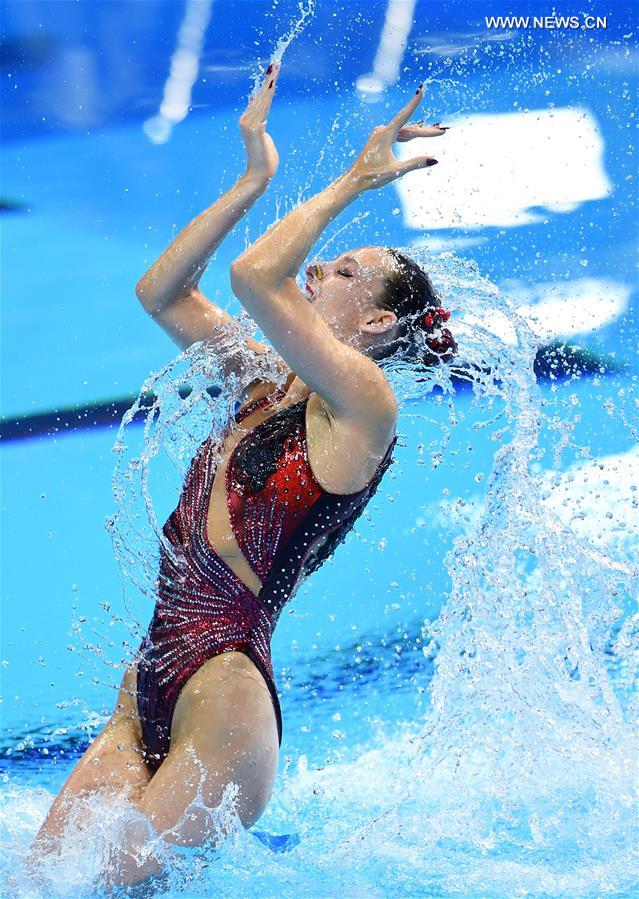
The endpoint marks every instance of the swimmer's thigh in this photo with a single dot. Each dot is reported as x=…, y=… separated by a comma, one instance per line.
x=114, y=762
x=224, y=729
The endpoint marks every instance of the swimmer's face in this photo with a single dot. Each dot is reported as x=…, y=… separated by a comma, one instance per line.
x=344, y=291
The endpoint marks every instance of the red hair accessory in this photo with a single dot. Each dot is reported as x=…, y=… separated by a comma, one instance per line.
x=432, y=317
x=443, y=343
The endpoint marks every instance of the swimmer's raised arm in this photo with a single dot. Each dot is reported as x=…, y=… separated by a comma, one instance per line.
x=169, y=291
x=263, y=278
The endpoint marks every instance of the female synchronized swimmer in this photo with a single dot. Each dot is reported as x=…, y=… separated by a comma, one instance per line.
x=265, y=504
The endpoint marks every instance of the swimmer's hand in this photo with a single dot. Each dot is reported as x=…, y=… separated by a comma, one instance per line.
x=263, y=158
x=376, y=166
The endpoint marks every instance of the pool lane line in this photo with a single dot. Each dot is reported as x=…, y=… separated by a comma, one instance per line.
x=557, y=361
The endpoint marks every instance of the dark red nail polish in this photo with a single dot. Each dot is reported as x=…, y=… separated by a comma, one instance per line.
x=270, y=69
x=432, y=162
x=419, y=88
x=272, y=83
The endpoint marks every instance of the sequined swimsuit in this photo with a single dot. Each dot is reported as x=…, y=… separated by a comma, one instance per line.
x=286, y=526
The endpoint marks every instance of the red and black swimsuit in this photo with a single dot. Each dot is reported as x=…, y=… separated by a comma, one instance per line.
x=286, y=526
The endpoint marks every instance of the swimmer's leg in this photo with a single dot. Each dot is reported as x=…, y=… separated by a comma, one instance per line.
x=114, y=762
x=224, y=729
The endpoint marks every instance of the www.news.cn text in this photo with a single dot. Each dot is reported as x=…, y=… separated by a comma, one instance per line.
x=549, y=23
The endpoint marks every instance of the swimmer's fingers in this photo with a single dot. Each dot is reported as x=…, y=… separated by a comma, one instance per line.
x=259, y=105
x=404, y=115
x=263, y=158
x=412, y=165
x=267, y=92
x=408, y=132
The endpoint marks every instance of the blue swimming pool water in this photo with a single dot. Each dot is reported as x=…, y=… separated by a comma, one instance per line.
x=537, y=185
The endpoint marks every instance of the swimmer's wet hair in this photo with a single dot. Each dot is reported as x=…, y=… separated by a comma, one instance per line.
x=410, y=294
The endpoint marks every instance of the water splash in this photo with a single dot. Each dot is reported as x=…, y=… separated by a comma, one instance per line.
x=526, y=758
x=187, y=401
x=306, y=13
x=97, y=830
